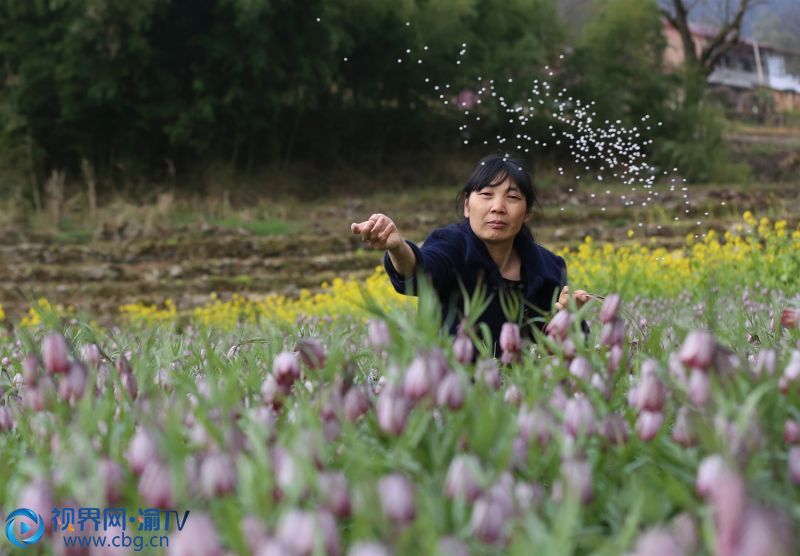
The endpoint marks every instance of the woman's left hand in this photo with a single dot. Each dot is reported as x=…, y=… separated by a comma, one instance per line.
x=580, y=297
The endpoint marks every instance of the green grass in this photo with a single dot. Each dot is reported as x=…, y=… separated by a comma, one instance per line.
x=267, y=227
x=69, y=231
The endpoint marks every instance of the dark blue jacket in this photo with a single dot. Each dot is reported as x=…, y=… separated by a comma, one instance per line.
x=455, y=250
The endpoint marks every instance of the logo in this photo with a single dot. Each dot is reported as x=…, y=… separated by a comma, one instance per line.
x=24, y=527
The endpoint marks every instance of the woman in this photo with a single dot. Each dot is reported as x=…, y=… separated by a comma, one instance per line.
x=492, y=244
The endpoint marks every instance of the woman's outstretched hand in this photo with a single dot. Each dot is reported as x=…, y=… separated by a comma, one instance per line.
x=580, y=297
x=379, y=232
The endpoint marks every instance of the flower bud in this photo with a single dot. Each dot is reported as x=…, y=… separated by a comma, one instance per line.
x=417, y=382
x=792, y=371
x=766, y=362
x=38, y=496
x=709, y=472
x=6, y=418
x=333, y=487
x=682, y=429
x=558, y=327
x=510, y=340
x=141, y=451
x=73, y=384
x=451, y=546
x=297, y=532
x=657, y=541
x=614, y=358
x=569, y=349
x=528, y=496
x=610, y=309
x=581, y=368
x=677, y=371
x=283, y=467
x=536, y=424
x=356, y=403
x=699, y=387
x=684, y=531
x=254, y=532
x=273, y=393
x=614, y=428
x=311, y=353
x=487, y=522
x=462, y=478
x=38, y=398
x=393, y=410
x=113, y=478
x=90, y=354
x=519, y=453
x=794, y=464
x=438, y=365
x=791, y=431
x=613, y=333
x=488, y=372
x=697, y=349
x=558, y=399
x=463, y=350
x=513, y=396
x=790, y=318
x=397, y=498
x=378, y=334
x=579, y=416
x=217, y=475
x=370, y=549
x=123, y=365
x=285, y=368
x=599, y=384
x=30, y=370
x=272, y=546
x=198, y=537
x=450, y=392
x=650, y=393
x=728, y=500
x=577, y=476
x=760, y=531
x=129, y=386
x=648, y=424
x=155, y=486
x=55, y=354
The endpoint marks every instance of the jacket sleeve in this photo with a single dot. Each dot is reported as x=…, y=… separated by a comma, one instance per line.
x=440, y=257
x=562, y=267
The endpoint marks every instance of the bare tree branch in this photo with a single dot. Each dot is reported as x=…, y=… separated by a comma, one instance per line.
x=725, y=39
x=681, y=22
x=721, y=43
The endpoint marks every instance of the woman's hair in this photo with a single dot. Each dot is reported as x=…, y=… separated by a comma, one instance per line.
x=493, y=170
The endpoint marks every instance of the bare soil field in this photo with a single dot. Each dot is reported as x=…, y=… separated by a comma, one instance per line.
x=125, y=261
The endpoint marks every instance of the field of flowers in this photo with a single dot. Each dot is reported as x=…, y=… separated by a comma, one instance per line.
x=344, y=423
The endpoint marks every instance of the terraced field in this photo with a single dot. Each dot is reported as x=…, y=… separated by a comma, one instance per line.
x=112, y=266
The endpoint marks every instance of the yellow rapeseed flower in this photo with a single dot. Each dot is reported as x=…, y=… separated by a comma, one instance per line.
x=600, y=268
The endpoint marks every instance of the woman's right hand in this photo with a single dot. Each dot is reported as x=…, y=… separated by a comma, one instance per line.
x=379, y=232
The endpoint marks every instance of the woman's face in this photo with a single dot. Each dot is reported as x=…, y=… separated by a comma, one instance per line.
x=497, y=212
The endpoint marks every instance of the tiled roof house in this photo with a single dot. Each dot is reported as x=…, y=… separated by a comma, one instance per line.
x=747, y=67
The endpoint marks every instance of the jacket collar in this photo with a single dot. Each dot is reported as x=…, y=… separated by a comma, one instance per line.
x=534, y=266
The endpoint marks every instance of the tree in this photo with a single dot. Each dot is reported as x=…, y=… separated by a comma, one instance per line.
x=729, y=16
x=617, y=61
x=576, y=14
x=138, y=88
